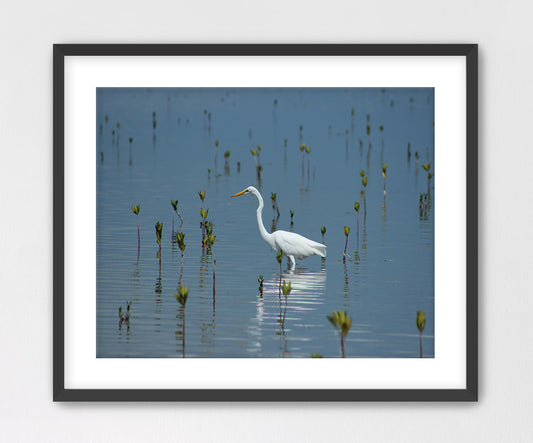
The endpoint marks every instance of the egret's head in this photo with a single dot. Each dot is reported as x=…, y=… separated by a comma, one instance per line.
x=248, y=190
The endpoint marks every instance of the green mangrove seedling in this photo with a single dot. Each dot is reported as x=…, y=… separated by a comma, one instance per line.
x=279, y=257
x=131, y=144
x=341, y=321
x=356, y=207
x=420, y=324
x=182, y=295
x=203, y=213
x=174, y=204
x=159, y=235
x=362, y=174
x=302, y=150
x=208, y=231
x=159, y=232
x=275, y=208
x=384, y=173
x=426, y=167
x=210, y=241
x=286, y=289
x=255, y=155
x=180, y=240
x=346, y=233
x=136, y=209
x=323, y=232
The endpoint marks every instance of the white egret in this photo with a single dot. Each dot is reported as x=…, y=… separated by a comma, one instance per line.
x=290, y=243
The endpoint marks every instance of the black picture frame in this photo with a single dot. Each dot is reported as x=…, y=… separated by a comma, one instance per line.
x=469, y=393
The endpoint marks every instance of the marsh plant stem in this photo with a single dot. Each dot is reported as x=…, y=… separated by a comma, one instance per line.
x=181, y=272
x=138, y=240
x=214, y=266
x=345, y=246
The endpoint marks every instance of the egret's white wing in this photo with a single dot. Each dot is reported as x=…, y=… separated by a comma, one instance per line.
x=298, y=246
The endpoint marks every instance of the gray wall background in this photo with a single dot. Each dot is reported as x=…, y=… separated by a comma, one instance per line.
x=503, y=32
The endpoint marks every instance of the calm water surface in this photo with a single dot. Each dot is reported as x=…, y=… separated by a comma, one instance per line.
x=387, y=278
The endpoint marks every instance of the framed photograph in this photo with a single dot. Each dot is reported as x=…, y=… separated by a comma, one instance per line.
x=265, y=223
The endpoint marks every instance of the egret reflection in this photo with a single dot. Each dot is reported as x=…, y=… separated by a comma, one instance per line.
x=307, y=293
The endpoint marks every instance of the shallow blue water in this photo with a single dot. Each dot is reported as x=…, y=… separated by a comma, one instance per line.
x=387, y=278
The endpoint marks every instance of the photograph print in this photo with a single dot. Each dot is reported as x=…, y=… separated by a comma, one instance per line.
x=265, y=222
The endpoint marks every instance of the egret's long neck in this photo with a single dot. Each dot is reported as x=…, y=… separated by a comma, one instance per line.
x=262, y=230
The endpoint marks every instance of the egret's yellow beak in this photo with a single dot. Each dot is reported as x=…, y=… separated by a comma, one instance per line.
x=238, y=193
